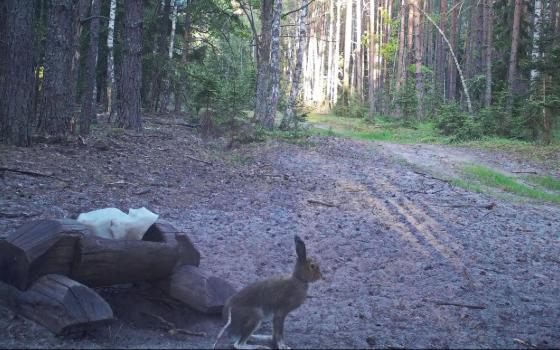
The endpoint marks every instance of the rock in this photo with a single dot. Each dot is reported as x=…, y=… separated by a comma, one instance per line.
x=200, y=290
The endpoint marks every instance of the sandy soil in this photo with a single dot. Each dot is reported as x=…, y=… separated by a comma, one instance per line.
x=401, y=252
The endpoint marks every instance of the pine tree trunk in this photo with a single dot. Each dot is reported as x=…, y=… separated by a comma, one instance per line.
x=336, y=58
x=129, y=116
x=173, y=29
x=359, y=53
x=452, y=70
x=441, y=58
x=181, y=84
x=489, y=48
x=347, y=51
x=88, y=111
x=330, y=59
x=512, y=67
x=291, y=107
x=274, y=69
x=57, y=99
x=162, y=54
x=418, y=51
x=371, y=57
x=263, y=61
x=401, y=64
x=110, y=56
x=16, y=70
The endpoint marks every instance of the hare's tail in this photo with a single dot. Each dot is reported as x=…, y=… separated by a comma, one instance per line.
x=223, y=329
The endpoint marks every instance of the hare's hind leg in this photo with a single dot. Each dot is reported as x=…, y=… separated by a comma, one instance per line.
x=249, y=323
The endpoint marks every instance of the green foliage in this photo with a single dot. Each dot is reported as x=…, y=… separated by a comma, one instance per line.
x=406, y=100
x=354, y=108
x=451, y=121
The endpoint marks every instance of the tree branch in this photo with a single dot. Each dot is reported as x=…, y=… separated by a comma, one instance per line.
x=296, y=10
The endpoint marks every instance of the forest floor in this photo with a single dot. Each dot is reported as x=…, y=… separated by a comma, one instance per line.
x=410, y=258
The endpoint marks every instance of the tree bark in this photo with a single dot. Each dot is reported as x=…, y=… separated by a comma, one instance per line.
x=181, y=85
x=371, y=58
x=401, y=64
x=110, y=56
x=336, y=57
x=489, y=48
x=263, y=61
x=330, y=60
x=512, y=67
x=162, y=55
x=57, y=99
x=347, y=51
x=274, y=69
x=88, y=111
x=129, y=116
x=418, y=51
x=16, y=71
x=440, y=53
x=452, y=70
x=359, y=54
x=295, y=88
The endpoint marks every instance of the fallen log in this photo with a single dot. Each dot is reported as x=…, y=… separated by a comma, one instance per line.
x=103, y=262
x=23, y=254
x=198, y=289
x=67, y=247
x=60, y=304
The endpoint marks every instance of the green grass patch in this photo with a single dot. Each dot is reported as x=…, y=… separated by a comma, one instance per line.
x=491, y=178
x=547, y=182
x=379, y=130
x=470, y=186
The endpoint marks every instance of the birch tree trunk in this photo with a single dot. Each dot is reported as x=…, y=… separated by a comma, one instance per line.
x=88, y=111
x=291, y=107
x=129, y=116
x=110, y=56
x=274, y=69
x=16, y=70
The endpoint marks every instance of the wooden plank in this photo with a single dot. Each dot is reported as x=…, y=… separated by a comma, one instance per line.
x=60, y=304
x=103, y=262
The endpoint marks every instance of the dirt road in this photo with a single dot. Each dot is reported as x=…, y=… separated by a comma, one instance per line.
x=409, y=260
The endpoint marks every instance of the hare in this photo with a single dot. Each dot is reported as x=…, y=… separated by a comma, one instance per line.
x=269, y=299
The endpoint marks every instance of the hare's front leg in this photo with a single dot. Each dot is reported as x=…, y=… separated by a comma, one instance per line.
x=278, y=331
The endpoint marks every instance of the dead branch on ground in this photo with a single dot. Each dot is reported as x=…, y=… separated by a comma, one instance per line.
x=171, y=326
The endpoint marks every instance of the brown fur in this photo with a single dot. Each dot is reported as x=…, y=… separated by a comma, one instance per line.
x=274, y=298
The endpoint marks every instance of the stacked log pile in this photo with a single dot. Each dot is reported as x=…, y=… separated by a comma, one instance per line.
x=49, y=269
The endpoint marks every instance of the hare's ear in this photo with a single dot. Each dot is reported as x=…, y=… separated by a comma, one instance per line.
x=300, y=249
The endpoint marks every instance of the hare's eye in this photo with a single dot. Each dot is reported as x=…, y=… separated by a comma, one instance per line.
x=313, y=266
